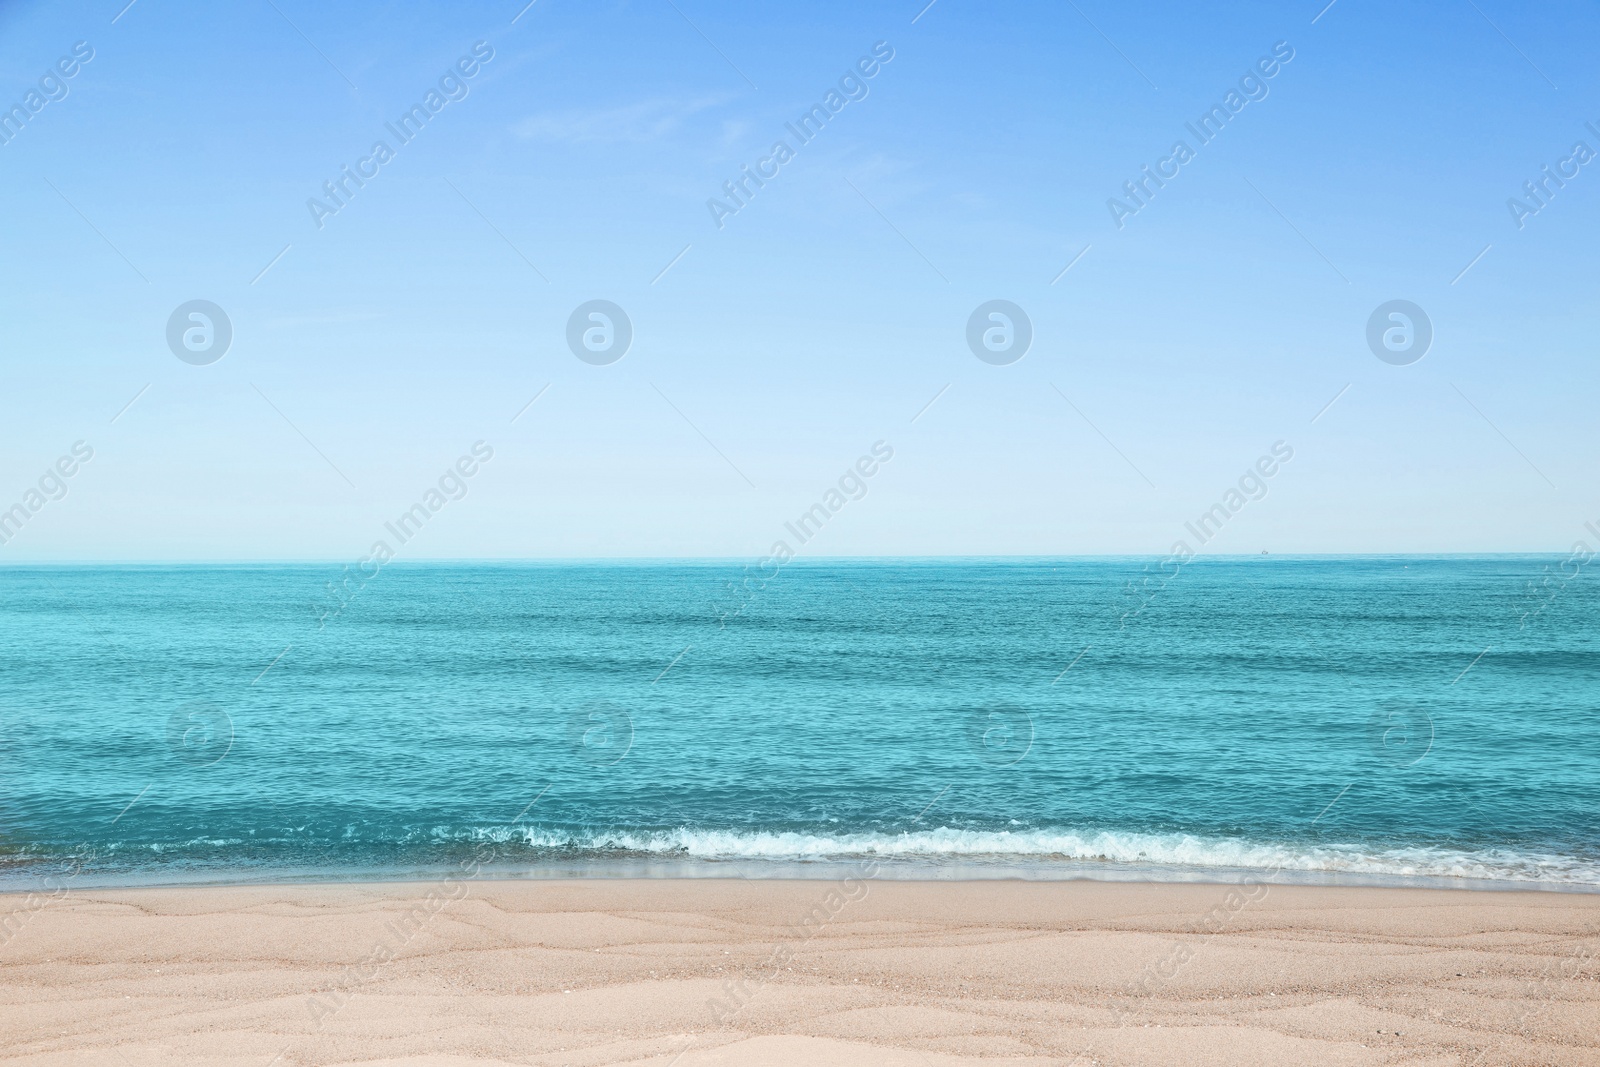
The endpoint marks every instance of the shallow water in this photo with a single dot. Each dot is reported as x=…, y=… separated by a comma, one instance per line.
x=1373, y=719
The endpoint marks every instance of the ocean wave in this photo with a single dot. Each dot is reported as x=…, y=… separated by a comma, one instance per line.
x=1025, y=852
x=1177, y=850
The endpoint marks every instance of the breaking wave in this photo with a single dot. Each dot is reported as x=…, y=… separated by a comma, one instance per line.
x=1178, y=850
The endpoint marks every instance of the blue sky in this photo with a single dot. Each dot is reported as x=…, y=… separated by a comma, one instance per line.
x=371, y=352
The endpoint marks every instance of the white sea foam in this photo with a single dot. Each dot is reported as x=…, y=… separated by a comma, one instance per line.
x=1179, y=850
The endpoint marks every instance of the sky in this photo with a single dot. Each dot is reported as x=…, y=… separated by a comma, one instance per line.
x=1176, y=337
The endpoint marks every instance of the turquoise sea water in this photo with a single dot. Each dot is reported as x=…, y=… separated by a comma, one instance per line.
x=1360, y=718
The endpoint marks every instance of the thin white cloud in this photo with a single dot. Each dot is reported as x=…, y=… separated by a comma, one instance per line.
x=648, y=120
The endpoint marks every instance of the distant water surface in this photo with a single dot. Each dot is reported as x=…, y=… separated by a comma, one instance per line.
x=1377, y=719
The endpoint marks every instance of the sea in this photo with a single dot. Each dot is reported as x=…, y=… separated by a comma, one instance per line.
x=1371, y=720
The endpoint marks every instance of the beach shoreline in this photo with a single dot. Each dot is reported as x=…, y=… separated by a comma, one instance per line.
x=41, y=876
x=858, y=969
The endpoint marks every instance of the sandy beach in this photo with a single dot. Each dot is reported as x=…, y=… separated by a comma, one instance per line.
x=858, y=971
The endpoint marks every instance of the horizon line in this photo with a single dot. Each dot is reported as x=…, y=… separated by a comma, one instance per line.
x=812, y=560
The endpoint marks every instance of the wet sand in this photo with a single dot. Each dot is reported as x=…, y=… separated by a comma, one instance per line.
x=698, y=972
